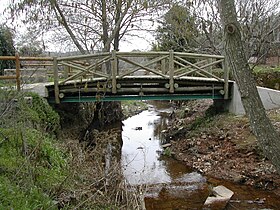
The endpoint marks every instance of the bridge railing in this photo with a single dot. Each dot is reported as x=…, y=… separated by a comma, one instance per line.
x=114, y=66
x=26, y=69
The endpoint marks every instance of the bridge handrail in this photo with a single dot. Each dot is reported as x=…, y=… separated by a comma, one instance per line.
x=93, y=65
x=160, y=53
x=83, y=57
x=17, y=60
x=168, y=65
x=137, y=54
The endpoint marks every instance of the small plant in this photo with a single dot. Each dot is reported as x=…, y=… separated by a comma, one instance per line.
x=39, y=112
x=167, y=152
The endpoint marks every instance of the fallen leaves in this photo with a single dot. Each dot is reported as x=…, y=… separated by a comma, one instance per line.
x=223, y=147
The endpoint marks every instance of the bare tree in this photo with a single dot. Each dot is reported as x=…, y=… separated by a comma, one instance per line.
x=258, y=19
x=268, y=137
x=91, y=25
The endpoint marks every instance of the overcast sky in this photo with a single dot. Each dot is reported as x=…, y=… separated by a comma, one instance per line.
x=3, y=4
x=132, y=44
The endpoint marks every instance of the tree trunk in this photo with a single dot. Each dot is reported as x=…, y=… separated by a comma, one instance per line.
x=61, y=18
x=117, y=19
x=105, y=28
x=268, y=138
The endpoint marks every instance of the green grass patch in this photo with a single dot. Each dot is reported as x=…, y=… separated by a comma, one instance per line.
x=167, y=152
x=40, y=113
x=33, y=167
x=265, y=69
x=38, y=172
x=12, y=196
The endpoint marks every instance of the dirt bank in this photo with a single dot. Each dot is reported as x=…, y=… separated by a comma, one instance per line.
x=221, y=146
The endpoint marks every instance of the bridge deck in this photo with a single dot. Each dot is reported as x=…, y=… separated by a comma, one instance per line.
x=148, y=87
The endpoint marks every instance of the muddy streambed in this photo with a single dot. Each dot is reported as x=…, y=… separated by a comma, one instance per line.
x=167, y=183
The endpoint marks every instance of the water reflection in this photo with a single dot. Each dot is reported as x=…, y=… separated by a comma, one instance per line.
x=160, y=125
x=141, y=149
x=141, y=161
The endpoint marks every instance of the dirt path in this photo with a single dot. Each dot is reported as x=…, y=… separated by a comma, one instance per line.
x=222, y=146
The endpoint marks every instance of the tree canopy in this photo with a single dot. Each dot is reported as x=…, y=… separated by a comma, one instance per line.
x=28, y=44
x=89, y=25
x=258, y=19
x=176, y=31
x=6, y=48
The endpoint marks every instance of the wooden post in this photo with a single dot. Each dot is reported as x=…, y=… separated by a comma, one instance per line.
x=17, y=71
x=226, y=78
x=55, y=77
x=163, y=66
x=211, y=67
x=114, y=71
x=66, y=71
x=171, y=71
x=278, y=59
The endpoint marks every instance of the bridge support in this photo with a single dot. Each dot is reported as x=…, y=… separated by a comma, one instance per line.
x=171, y=71
x=270, y=99
x=55, y=74
x=114, y=71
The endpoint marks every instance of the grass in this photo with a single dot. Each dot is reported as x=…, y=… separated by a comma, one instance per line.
x=141, y=104
x=167, y=152
x=37, y=171
x=32, y=166
x=13, y=196
x=265, y=69
x=30, y=177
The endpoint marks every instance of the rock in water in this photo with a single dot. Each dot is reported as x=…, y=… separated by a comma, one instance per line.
x=221, y=196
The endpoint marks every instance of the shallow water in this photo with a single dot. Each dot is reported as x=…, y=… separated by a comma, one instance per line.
x=169, y=183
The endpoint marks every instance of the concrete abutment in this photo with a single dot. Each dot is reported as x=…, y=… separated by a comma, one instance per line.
x=270, y=99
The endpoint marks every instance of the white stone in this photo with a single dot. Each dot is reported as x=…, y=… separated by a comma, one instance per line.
x=165, y=145
x=221, y=194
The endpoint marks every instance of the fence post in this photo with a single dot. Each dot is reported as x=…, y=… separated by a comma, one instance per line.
x=163, y=66
x=17, y=71
x=226, y=78
x=55, y=77
x=171, y=71
x=66, y=71
x=114, y=71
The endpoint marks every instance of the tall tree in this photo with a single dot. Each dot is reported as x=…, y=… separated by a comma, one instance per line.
x=96, y=25
x=90, y=25
x=257, y=18
x=6, y=48
x=177, y=30
x=268, y=137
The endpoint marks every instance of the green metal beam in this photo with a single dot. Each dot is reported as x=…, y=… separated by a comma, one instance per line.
x=136, y=97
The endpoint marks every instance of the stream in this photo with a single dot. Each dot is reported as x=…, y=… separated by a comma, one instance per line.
x=167, y=183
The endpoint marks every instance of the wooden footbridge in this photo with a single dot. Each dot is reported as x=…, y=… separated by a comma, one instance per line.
x=116, y=76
